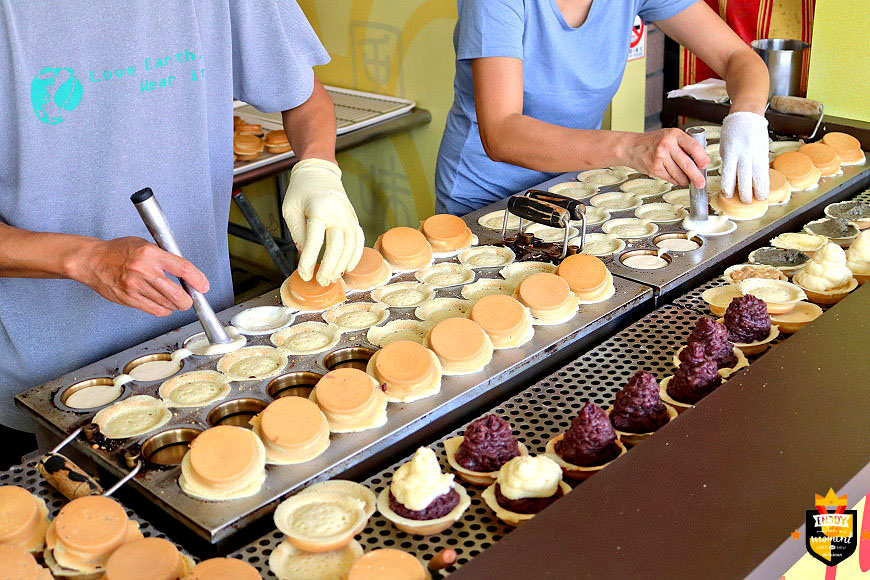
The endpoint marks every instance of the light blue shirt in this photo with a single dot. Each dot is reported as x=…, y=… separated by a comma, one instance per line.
x=569, y=77
x=100, y=99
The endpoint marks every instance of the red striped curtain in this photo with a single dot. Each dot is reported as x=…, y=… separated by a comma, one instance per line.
x=751, y=20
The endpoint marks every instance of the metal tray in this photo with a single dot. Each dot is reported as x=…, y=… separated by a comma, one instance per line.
x=215, y=521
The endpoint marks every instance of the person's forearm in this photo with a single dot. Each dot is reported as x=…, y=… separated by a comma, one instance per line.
x=527, y=142
x=747, y=82
x=26, y=254
x=310, y=127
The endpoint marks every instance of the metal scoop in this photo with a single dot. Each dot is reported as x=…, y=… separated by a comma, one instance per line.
x=155, y=220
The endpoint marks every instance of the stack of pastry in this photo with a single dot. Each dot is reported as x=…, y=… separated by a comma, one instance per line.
x=504, y=319
x=525, y=485
x=780, y=190
x=293, y=430
x=638, y=410
x=371, y=271
x=224, y=569
x=488, y=443
x=695, y=378
x=245, y=128
x=447, y=233
x=420, y=498
x=246, y=147
x=827, y=278
x=310, y=296
x=825, y=158
x=798, y=169
x=85, y=533
x=847, y=147
x=16, y=563
x=587, y=277
x=223, y=463
x=858, y=257
x=23, y=519
x=277, y=142
x=735, y=209
x=406, y=371
x=461, y=345
x=404, y=249
x=148, y=559
x=351, y=400
x=589, y=444
x=548, y=297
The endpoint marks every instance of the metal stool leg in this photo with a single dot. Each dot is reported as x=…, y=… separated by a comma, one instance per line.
x=265, y=238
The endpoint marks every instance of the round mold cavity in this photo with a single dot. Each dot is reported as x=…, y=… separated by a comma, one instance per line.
x=354, y=357
x=654, y=253
x=64, y=394
x=679, y=236
x=235, y=412
x=169, y=447
x=149, y=358
x=295, y=384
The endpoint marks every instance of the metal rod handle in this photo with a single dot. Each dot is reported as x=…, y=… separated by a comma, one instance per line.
x=155, y=220
x=698, y=200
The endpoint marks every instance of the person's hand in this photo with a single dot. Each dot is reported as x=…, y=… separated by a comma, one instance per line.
x=668, y=154
x=316, y=208
x=743, y=147
x=132, y=272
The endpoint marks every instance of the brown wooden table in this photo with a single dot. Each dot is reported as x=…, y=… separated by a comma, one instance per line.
x=713, y=494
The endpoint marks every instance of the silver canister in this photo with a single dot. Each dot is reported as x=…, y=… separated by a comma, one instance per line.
x=698, y=199
x=784, y=60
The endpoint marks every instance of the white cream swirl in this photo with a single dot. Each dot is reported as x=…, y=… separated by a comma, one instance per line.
x=858, y=254
x=826, y=270
x=418, y=482
x=527, y=476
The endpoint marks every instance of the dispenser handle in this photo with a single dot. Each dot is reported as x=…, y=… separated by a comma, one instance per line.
x=575, y=208
x=540, y=212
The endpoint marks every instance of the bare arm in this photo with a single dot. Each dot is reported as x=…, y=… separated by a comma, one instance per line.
x=310, y=127
x=511, y=137
x=128, y=271
x=703, y=32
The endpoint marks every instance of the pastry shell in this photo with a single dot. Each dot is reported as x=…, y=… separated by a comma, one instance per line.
x=720, y=297
x=791, y=293
x=860, y=223
x=616, y=201
x=333, y=520
x=615, y=245
x=646, y=187
x=632, y=439
x=676, y=212
x=508, y=517
x=394, y=330
x=787, y=270
x=519, y=271
x=594, y=217
x=742, y=362
x=105, y=418
x=574, y=190
x=679, y=407
x=445, y=275
x=334, y=564
x=341, y=315
x=578, y=472
x=349, y=488
x=803, y=314
x=275, y=355
x=551, y=234
x=442, y=308
x=759, y=346
x=292, y=340
x=602, y=177
x=424, y=527
x=843, y=242
x=495, y=219
x=171, y=386
x=678, y=197
x=778, y=275
x=612, y=227
x=403, y=294
x=451, y=446
x=830, y=296
x=487, y=286
x=486, y=257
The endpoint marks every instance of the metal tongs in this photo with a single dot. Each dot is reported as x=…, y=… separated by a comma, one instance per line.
x=549, y=209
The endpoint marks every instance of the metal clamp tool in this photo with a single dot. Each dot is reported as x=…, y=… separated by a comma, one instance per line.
x=541, y=212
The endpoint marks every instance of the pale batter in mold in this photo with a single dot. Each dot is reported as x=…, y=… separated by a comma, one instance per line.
x=356, y=315
x=485, y=287
x=678, y=244
x=252, y=363
x=600, y=244
x=486, y=257
x=395, y=330
x=403, y=294
x=155, y=370
x=445, y=274
x=195, y=389
x=645, y=262
x=133, y=416
x=306, y=338
x=198, y=344
x=495, y=219
x=91, y=397
x=519, y=271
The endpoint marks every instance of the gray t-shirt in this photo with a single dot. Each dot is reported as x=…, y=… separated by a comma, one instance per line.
x=101, y=99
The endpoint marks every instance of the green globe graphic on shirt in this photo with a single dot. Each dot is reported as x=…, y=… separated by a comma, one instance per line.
x=53, y=91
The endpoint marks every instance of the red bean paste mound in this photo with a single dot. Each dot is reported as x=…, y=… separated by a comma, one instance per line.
x=638, y=408
x=713, y=336
x=438, y=508
x=488, y=444
x=747, y=319
x=696, y=377
x=527, y=505
x=590, y=440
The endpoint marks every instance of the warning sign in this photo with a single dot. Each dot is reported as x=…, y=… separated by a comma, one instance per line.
x=637, y=46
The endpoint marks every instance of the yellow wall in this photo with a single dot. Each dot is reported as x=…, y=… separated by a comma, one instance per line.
x=405, y=49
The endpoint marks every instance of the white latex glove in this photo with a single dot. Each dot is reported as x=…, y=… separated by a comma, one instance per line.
x=316, y=208
x=743, y=147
